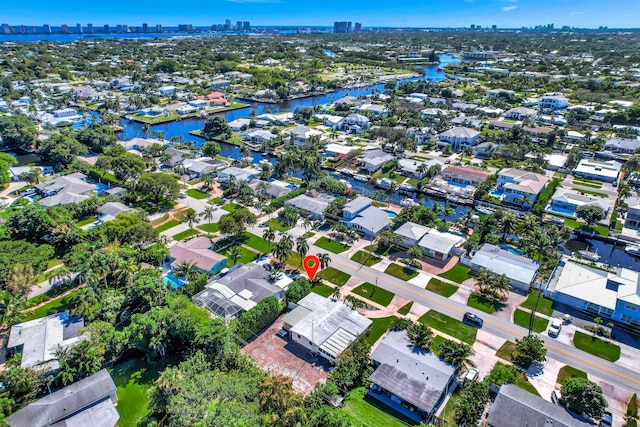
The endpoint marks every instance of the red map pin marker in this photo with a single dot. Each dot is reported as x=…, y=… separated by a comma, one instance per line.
x=311, y=264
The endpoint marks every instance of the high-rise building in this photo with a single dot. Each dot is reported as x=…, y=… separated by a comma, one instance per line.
x=118, y=28
x=6, y=29
x=145, y=28
x=158, y=28
x=494, y=27
x=357, y=27
x=238, y=25
x=246, y=25
x=46, y=28
x=125, y=28
x=90, y=28
x=79, y=28
x=106, y=28
x=23, y=29
x=227, y=24
x=473, y=27
x=341, y=27
x=65, y=29
x=185, y=27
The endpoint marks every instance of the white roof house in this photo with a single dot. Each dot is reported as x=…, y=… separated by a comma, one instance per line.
x=604, y=171
x=410, y=233
x=66, y=189
x=439, y=244
x=520, y=270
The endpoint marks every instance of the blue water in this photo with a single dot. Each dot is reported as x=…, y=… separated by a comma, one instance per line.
x=511, y=249
x=101, y=188
x=172, y=281
x=457, y=184
x=391, y=214
x=561, y=211
x=329, y=53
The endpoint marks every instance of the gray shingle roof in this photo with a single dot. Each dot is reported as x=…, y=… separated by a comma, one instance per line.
x=500, y=261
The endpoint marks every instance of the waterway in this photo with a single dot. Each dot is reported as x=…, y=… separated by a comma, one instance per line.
x=609, y=253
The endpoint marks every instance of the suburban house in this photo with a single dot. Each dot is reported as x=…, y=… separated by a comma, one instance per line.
x=303, y=137
x=177, y=156
x=459, y=138
x=353, y=123
x=324, y=325
x=375, y=109
x=622, y=146
x=110, y=210
x=312, y=202
x=362, y=216
x=141, y=144
x=440, y=244
x=38, y=340
x=553, y=102
x=410, y=233
x=467, y=122
x=521, y=113
x=216, y=98
x=602, y=171
x=467, y=176
x=513, y=406
x=610, y=295
x=372, y=160
x=197, y=168
x=166, y=90
x=415, y=168
x=197, y=251
x=565, y=202
x=411, y=381
x=240, y=174
x=520, y=187
x=88, y=402
x=244, y=286
x=520, y=270
x=632, y=218
x=243, y=123
x=258, y=136
x=271, y=189
x=484, y=149
x=280, y=119
x=63, y=190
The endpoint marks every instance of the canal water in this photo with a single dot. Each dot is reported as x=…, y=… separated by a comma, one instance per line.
x=609, y=253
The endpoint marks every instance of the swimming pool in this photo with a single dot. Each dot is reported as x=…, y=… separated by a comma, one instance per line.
x=510, y=249
x=101, y=188
x=561, y=211
x=172, y=280
x=457, y=184
x=391, y=214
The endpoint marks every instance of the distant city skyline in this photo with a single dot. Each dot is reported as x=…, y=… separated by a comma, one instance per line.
x=372, y=13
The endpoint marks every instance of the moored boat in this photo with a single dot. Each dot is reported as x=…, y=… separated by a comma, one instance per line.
x=632, y=249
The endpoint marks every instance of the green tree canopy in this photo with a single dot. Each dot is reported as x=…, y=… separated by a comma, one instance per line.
x=583, y=396
x=17, y=131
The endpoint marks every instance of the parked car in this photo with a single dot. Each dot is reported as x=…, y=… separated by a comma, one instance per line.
x=182, y=195
x=281, y=333
x=471, y=375
x=606, y=419
x=554, y=327
x=556, y=397
x=472, y=319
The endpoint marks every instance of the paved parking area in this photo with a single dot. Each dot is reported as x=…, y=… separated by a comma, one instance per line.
x=284, y=357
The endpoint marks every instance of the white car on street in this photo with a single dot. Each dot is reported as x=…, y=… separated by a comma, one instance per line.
x=555, y=327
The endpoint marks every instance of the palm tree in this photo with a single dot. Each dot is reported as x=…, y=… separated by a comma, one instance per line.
x=302, y=247
x=208, y=181
x=484, y=280
x=448, y=212
x=190, y=216
x=306, y=224
x=458, y=354
x=325, y=260
x=414, y=253
x=234, y=254
x=84, y=301
x=184, y=269
x=281, y=251
x=335, y=294
x=500, y=286
x=420, y=335
x=11, y=309
x=208, y=213
x=287, y=242
x=507, y=224
x=269, y=235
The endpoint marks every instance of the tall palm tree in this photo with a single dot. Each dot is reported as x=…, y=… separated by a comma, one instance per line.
x=302, y=247
x=234, y=254
x=190, y=216
x=84, y=301
x=11, y=309
x=335, y=294
x=281, y=250
x=184, y=269
x=269, y=235
x=484, y=280
x=420, y=335
x=325, y=260
x=287, y=242
x=507, y=224
x=458, y=354
x=208, y=214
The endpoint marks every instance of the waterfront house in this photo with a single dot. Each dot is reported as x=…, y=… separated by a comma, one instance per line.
x=439, y=244
x=303, y=137
x=410, y=233
x=465, y=176
x=565, y=202
x=632, y=217
x=408, y=379
x=360, y=215
x=198, y=252
x=513, y=405
x=353, y=123
x=312, y=203
x=374, y=109
x=240, y=174
x=520, y=187
x=325, y=326
x=177, y=156
x=372, y=160
x=258, y=136
x=216, y=98
x=608, y=171
x=244, y=123
x=622, y=145
x=90, y=401
x=415, y=168
x=459, y=138
x=520, y=271
x=64, y=190
x=611, y=295
x=280, y=119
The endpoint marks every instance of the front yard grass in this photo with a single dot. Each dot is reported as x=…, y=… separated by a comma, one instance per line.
x=522, y=318
x=378, y=327
x=483, y=303
x=246, y=256
x=402, y=273
x=197, y=194
x=459, y=273
x=506, y=350
x=167, y=225
x=544, y=304
x=323, y=290
x=374, y=293
x=567, y=372
x=405, y=309
x=331, y=245
x=186, y=234
x=86, y=221
x=441, y=288
x=365, y=411
x=256, y=242
x=278, y=225
x=53, y=307
x=450, y=326
x=334, y=276
x=230, y=207
x=362, y=257
x=209, y=228
x=596, y=346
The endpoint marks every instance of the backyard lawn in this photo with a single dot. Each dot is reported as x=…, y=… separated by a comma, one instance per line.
x=86, y=221
x=246, y=256
x=209, y=228
x=441, y=288
x=378, y=327
x=450, y=326
x=331, y=245
x=481, y=302
x=256, y=242
x=334, y=276
x=230, y=207
x=567, y=372
x=278, y=225
x=185, y=234
x=522, y=318
x=167, y=225
x=363, y=257
x=365, y=411
x=459, y=273
x=596, y=346
x=544, y=305
x=56, y=306
x=402, y=273
x=323, y=290
x=374, y=293
x=197, y=194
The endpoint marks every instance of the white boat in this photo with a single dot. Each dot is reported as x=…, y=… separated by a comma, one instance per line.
x=591, y=256
x=347, y=183
x=632, y=249
x=407, y=187
x=385, y=183
x=347, y=172
x=408, y=202
x=360, y=178
x=483, y=210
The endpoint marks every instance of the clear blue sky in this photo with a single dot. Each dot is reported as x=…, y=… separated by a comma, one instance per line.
x=410, y=13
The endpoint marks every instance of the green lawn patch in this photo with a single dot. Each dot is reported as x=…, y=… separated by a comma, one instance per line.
x=374, y=293
x=323, y=290
x=186, y=234
x=197, y=194
x=405, y=309
x=308, y=235
x=362, y=257
x=334, y=276
x=544, y=304
x=482, y=303
x=450, y=326
x=331, y=245
x=230, y=207
x=506, y=351
x=448, y=413
x=365, y=411
x=278, y=225
x=53, y=262
x=133, y=380
x=167, y=225
x=567, y=372
x=523, y=382
x=596, y=346
x=216, y=201
x=459, y=273
x=209, y=228
x=246, y=256
x=256, y=242
x=86, y=221
x=53, y=307
x=402, y=273
x=572, y=223
x=378, y=327
x=160, y=220
x=441, y=288
x=522, y=318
